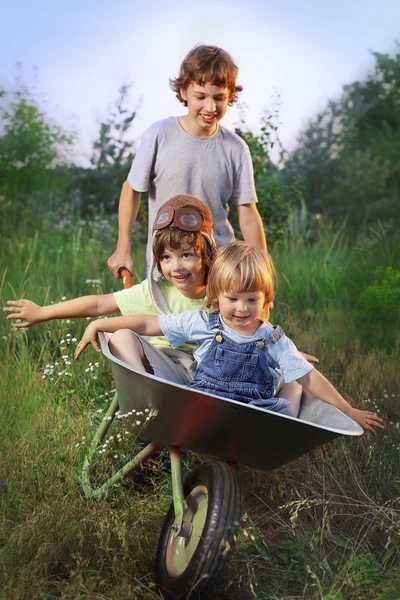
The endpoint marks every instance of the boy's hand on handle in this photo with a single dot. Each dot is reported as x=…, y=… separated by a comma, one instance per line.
x=27, y=311
x=126, y=276
x=368, y=420
x=89, y=337
x=119, y=258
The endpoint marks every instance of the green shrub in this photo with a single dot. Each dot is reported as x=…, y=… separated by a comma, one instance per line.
x=378, y=306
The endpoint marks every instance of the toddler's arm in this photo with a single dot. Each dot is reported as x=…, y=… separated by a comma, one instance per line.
x=141, y=324
x=321, y=388
x=309, y=357
x=87, y=306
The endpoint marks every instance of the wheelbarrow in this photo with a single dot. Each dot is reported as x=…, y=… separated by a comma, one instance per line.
x=202, y=522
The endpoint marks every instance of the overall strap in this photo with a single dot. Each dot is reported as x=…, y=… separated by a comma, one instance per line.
x=213, y=320
x=275, y=336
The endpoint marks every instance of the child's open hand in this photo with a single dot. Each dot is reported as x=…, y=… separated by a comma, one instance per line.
x=368, y=420
x=27, y=311
x=89, y=337
x=309, y=357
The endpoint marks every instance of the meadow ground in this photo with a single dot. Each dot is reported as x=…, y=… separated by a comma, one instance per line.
x=325, y=527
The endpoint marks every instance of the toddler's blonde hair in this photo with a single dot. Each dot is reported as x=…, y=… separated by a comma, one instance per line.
x=252, y=267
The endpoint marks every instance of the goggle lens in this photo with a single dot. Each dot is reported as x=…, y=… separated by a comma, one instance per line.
x=191, y=220
x=163, y=220
x=187, y=219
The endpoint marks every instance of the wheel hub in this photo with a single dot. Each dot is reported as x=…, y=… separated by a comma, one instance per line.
x=181, y=547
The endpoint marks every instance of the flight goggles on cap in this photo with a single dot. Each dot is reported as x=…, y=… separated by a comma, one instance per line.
x=185, y=218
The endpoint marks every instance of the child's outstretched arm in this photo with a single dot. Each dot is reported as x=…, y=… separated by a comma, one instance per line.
x=29, y=313
x=321, y=388
x=141, y=324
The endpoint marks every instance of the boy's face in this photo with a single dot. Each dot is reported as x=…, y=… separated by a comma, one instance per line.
x=185, y=270
x=207, y=104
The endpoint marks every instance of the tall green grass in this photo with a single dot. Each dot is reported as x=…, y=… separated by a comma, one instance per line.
x=324, y=527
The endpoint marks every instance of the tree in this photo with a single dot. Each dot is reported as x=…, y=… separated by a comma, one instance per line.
x=31, y=144
x=347, y=157
x=314, y=161
x=275, y=197
x=113, y=150
x=112, y=156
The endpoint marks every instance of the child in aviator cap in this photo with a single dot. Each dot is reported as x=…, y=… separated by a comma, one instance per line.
x=183, y=248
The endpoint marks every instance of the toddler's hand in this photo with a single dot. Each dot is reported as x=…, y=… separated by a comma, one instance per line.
x=26, y=310
x=89, y=337
x=368, y=420
x=309, y=357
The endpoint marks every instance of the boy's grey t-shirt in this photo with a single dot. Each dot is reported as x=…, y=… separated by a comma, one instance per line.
x=216, y=169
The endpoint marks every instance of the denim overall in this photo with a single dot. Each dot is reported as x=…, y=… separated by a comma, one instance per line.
x=240, y=371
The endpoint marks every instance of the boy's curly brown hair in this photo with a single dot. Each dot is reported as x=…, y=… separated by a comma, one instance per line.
x=204, y=64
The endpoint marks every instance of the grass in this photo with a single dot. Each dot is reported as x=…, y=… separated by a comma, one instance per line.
x=325, y=527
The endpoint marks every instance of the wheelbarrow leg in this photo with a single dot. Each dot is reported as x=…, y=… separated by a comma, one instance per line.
x=96, y=493
x=178, y=497
x=106, y=422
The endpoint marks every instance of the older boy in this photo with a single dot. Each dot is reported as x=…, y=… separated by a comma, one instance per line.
x=193, y=154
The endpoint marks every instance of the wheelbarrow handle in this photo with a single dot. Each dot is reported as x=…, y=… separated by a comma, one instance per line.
x=126, y=276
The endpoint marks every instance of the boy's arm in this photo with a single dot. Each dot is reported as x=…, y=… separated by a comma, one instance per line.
x=321, y=388
x=251, y=225
x=30, y=313
x=128, y=209
x=141, y=324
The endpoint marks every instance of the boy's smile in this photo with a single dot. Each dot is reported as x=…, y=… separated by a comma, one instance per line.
x=207, y=104
x=185, y=270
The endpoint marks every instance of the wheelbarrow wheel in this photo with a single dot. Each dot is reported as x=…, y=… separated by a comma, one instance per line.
x=188, y=565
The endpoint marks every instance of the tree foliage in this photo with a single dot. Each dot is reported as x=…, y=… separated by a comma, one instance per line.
x=275, y=197
x=31, y=144
x=113, y=149
x=348, y=155
x=112, y=153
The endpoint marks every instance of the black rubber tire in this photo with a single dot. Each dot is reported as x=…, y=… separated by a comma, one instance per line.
x=217, y=539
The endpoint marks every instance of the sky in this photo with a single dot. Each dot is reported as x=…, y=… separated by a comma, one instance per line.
x=85, y=49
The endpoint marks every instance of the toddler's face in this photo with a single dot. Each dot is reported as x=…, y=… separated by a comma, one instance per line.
x=242, y=311
x=185, y=270
x=207, y=104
